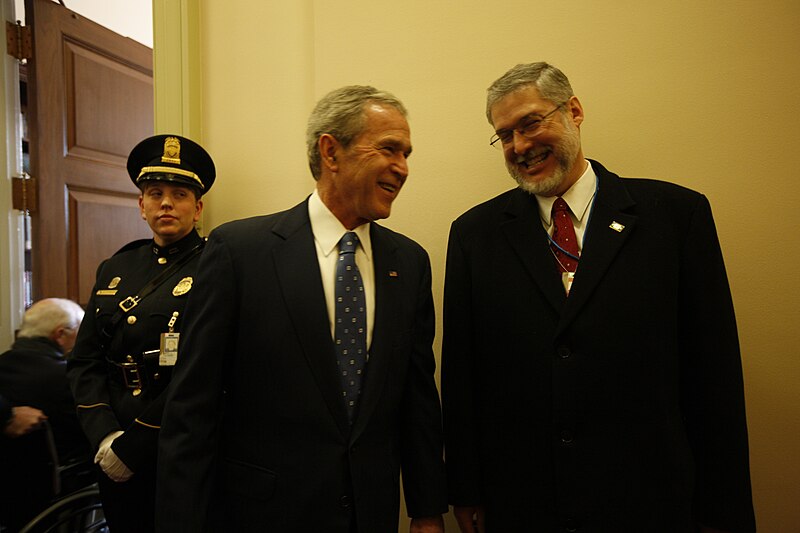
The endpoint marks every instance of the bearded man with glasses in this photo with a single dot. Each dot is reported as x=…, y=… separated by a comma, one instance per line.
x=591, y=375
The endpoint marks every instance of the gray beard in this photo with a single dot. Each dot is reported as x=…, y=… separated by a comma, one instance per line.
x=545, y=187
x=565, y=153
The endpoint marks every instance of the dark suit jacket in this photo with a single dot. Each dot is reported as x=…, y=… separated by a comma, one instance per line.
x=255, y=434
x=618, y=409
x=34, y=373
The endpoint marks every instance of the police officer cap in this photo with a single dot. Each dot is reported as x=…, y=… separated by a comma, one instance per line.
x=174, y=159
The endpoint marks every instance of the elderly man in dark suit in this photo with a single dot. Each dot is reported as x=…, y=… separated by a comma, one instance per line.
x=34, y=371
x=296, y=407
x=33, y=379
x=591, y=375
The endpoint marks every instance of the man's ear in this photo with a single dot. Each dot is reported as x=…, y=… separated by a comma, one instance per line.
x=574, y=111
x=328, y=148
x=141, y=206
x=58, y=335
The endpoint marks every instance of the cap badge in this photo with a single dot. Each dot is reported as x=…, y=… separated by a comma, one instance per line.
x=172, y=151
x=183, y=286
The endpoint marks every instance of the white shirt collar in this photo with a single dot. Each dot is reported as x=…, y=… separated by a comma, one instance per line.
x=328, y=230
x=578, y=197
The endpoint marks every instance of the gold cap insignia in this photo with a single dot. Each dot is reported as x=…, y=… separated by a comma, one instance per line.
x=616, y=226
x=183, y=286
x=172, y=151
x=114, y=282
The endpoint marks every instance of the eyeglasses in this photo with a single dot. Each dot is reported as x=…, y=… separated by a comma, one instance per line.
x=529, y=127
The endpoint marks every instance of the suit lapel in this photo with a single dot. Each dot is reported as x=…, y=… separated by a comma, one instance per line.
x=299, y=279
x=609, y=228
x=528, y=239
x=387, y=287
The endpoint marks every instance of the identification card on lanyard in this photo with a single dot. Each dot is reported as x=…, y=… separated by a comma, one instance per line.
x=169, y=349
x=169, y=344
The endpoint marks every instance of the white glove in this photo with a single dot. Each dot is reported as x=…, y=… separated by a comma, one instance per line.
x=112, y=465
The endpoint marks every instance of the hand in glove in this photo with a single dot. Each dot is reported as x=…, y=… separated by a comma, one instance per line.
x=112, y=465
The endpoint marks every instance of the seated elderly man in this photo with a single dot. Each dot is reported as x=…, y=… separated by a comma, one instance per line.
x=33, y=379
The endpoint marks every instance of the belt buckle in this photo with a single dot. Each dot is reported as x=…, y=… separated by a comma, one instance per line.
x=132, y=376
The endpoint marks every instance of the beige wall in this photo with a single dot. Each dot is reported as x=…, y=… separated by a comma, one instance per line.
x=704, y=94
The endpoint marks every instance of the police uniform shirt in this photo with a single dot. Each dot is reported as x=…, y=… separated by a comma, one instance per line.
x=106, y=394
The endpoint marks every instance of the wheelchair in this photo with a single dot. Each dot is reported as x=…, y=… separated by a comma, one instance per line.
x=40, y=494
x=79, y=512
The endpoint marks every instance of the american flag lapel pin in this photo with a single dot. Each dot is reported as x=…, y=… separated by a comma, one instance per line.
x=616, y=226
x=393, y=274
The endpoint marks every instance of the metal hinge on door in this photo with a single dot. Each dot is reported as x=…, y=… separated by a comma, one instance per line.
x=24, y=194
x=18, y=40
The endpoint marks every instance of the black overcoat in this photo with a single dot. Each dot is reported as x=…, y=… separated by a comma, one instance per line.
x=618, y=409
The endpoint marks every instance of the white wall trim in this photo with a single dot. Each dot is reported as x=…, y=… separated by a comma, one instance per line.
x=11, y=221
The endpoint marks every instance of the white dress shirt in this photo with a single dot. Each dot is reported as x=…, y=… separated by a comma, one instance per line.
x=328, y=231
x=579, y=199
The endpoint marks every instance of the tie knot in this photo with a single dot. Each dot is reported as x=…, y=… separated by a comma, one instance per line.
x=348, y=243
x=560, y=205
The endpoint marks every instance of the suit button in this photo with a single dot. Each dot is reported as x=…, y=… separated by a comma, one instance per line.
x=566, y=437
x=344, y=502
x=131, y=320
x=571, y=526
x=564, y=352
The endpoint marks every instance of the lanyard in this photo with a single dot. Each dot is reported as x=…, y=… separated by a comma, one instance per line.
x=586, y=231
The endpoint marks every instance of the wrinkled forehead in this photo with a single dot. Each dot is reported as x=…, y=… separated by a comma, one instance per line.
x=385, y=121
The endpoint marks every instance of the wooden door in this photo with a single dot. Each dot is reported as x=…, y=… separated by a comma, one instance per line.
x=90, y=100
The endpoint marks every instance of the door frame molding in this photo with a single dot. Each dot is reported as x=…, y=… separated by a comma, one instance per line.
x=177, y=76
x=12, y=245
x=177, y=72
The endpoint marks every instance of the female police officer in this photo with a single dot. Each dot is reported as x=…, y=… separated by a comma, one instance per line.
x=127, y=344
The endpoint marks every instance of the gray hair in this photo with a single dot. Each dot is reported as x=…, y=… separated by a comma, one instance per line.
x=551, y=83
x=45, y=316
x=340, y=113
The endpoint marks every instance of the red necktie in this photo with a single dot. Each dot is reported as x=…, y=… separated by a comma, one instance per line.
x=564, y=237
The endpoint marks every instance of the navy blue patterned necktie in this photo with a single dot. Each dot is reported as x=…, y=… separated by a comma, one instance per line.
x=350, y=330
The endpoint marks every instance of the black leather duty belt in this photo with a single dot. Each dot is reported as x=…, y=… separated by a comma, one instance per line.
x=135, y=375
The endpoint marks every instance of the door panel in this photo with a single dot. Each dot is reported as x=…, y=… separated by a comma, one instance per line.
x=101, y=95
x=89, y=241
x=90, y=95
